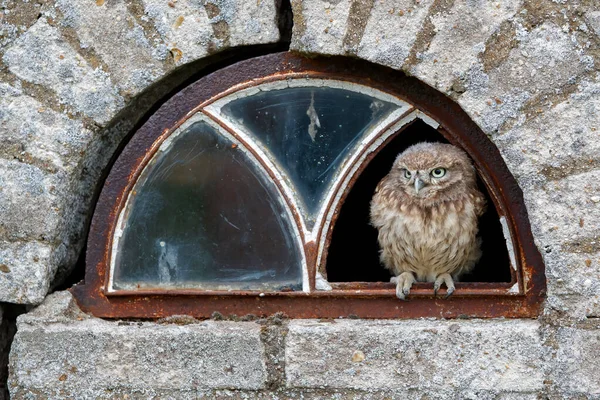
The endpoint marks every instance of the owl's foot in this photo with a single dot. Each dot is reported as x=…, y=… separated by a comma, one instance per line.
x=403, y=283
x=443, y=278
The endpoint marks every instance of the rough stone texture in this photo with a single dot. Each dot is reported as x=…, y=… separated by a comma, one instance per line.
x=24, y=270
x=184, y=27
x=486, y=356
x=577, y=371
x=545, y=60
x=392, y=30
x=461, y=33
x=191, y=31
x=554, y=154
x=320, y=25
x=113, y=35
x=40, y=149
x=75, y=78
x=60, y=352
x=41, y=56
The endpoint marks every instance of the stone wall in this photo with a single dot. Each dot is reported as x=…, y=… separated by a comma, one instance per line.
x=60, y=352
x=76, y=76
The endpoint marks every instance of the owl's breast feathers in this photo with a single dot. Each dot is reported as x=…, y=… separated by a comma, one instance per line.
x=427, y=239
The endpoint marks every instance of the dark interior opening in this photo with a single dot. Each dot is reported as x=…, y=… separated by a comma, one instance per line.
x=354, y=252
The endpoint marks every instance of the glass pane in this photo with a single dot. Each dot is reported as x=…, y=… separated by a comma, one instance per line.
x=202, y=215
x=309, y=131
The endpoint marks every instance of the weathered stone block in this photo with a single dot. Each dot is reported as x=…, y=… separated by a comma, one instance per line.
x=24, y=271
x=247, y=23
x=440, y=357
x=133, y=56
x=59, y=352
x=36, y=134
x=320, y=26
x=184, y=26
x=391, y=31
x=545, y=59
x=456, y=39
x=40, y=149
x=25, y=190
x=593, y=19
x=41, y=56
x=192, y=30
x=575, y=370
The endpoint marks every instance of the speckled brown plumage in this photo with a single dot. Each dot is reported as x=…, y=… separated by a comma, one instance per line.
x=428, y=223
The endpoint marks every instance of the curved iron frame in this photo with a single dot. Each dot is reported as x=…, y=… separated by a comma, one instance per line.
x=520, y=298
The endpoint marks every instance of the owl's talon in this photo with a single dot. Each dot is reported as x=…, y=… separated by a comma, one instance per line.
x=400, y=293
x=447, y=279
x=449, y=293
x=403, y=282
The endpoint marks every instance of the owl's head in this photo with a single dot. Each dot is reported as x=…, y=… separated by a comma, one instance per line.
x=432, y=171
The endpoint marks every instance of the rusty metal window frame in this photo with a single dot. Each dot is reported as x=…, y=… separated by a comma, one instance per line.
x=521, y=297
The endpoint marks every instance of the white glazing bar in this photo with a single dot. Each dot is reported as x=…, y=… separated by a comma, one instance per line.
x=509, y=242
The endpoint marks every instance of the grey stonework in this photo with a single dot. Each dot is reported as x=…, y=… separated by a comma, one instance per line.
x=77, y=75
x=59, y=352
x=487, y=356
x=83, y=357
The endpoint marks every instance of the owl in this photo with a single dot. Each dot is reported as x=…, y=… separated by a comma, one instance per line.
x=426, y=211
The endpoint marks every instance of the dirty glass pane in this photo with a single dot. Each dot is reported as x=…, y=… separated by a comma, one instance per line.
x=308, y=131
x=202, y=215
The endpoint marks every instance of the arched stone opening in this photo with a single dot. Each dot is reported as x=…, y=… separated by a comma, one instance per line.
x=520, y=281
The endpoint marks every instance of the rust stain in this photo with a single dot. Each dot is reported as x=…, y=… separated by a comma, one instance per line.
x=99, y=3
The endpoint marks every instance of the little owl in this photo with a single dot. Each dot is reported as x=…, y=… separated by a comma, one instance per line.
x=426, y=211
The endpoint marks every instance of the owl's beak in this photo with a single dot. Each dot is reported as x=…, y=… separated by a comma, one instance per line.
x=419, y=184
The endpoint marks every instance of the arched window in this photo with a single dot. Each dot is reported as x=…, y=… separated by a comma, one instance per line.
x=248, y=193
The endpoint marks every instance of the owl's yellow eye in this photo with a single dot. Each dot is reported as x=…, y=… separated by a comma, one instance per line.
x=438, y=172
x=407, y=174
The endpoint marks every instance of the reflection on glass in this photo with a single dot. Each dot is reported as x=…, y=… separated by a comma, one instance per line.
x=202, y=215
x=309, y=131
